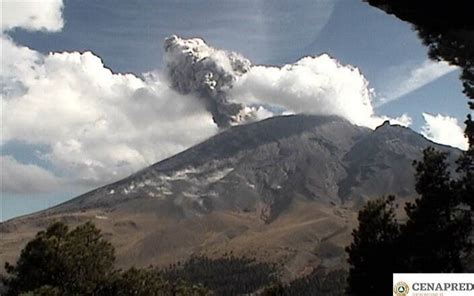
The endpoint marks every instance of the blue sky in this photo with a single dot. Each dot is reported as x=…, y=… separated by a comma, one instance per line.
x=128, y=37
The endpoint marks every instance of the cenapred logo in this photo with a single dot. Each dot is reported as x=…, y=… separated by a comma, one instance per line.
x=433, y=284
x=401, y=289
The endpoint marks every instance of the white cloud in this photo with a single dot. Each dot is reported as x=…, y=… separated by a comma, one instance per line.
x=403, y=119
x=100, y=126
x=34, y=15
x=26, y=178
x=444, y=130
x=237, y=92
x=409, y=79
x=313, y=85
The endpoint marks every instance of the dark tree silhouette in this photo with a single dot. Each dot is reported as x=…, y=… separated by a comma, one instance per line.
x=138, y=282
x=81, y=262
x=466, y=167
x=43, y=291
x=447, y=29
x=319, y=282
x=75, y=262
x=149, y=282
x=228, y=275
x=372, y=254
x=436, y=235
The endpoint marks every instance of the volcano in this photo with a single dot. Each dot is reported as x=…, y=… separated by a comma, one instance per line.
x=286, y=189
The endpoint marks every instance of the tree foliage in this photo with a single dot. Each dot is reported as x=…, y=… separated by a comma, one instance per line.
x=43, y=291
x=60, y=261
x=466, y=167
x=228, y=275
x=371, y=254
x=438, y=226
x=75, y=262
x=446, y=29
x=139, y=282
x=150, y=282
x=319, y=282
x=435, y=237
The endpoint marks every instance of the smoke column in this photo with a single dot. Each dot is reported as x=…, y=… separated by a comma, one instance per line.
x=194, y=67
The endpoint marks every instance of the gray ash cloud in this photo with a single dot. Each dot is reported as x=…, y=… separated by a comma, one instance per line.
x=193, y=67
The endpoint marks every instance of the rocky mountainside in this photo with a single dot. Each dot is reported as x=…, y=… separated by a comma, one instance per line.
x=285, y=189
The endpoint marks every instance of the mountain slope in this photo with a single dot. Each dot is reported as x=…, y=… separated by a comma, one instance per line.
x=285, y=189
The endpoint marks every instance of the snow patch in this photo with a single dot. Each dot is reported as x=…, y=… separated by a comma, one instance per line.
x=180, y=175
x=218, y=175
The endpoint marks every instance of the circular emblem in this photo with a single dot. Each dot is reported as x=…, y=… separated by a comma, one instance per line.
x=401, y=289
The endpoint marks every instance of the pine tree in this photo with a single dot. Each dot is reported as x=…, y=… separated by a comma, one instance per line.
x=372, y=252
x=74, y=262
x=466, y=167
x=436, y=235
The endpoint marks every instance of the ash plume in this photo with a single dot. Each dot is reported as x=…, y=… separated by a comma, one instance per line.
x=194, y=67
